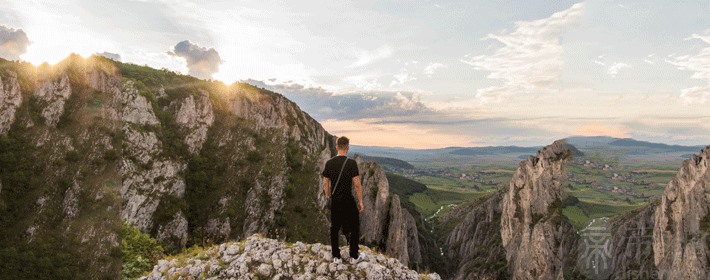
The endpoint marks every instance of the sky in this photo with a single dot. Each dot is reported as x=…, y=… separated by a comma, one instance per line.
x=415, y=73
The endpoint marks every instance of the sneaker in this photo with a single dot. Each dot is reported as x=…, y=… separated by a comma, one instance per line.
x=337, y=261
x=360, y=257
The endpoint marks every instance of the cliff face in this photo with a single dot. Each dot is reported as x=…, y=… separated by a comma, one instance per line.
x=473, y=248
x=92, y=143
x=539, y=242
x=59, y=153
x=631, y=247
x=385, y=223
x=10, y=100
x=681, y=241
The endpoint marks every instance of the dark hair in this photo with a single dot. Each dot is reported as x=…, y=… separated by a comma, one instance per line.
x=343, y=142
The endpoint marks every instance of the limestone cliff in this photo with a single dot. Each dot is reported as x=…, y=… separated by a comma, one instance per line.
x=631, y=244
x=539, y=242
x=91, y=143
x=473, y=248
x=384, y=223
x=58, y=167
x=681, y=236
x=10, y=100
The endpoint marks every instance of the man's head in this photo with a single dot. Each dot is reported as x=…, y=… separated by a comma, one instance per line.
x=342, y=144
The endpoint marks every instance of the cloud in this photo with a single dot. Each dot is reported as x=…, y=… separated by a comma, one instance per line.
x=699, y=64
x=201, y=62
x=109, y=55
x=402, y=78
x=13, y=42
x=651, y=59
x=368, y=57
x=432, y=67
x=323, y=104
x=615, y=68
x=600, y=60
x=530, y=59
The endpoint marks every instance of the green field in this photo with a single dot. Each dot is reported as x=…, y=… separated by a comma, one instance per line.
x=625, y=185
x=431, y=200
x=583, y=212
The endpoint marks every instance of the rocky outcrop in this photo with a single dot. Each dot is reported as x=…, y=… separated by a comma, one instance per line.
x=631, y=250
x=473, y=248
x=196, y=116
x=681, y=236
x=414, y=248
x=134, y=107
x=375, y=196
x=10, y=100
x=384, y=223
x=397, y=232
x=53, y=95
x=539, y=243
x=271, y=110
x=262, y=258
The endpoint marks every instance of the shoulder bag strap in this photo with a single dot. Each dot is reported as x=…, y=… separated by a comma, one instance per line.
x=339, y=174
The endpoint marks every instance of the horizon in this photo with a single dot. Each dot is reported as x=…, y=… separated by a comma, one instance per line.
x=531, y=146
x=430, y=74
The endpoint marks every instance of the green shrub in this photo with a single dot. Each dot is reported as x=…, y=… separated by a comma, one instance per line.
x=140, y=252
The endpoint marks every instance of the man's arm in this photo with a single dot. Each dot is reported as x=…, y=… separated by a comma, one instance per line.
x=358, y=190
x=326, y=187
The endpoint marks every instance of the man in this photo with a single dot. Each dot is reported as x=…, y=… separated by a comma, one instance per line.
x=343, y=212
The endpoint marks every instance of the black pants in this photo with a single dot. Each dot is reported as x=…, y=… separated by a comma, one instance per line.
x=344, y=214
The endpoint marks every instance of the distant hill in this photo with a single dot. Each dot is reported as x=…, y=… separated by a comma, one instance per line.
x=388, y=163
x=494, y=150
x=404, y=186
x=628, y=142
x=581, y=144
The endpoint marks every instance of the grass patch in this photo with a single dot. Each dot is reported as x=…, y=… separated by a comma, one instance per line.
x=429, y=201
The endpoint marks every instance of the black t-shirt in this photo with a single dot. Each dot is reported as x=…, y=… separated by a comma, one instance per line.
x=332, y=169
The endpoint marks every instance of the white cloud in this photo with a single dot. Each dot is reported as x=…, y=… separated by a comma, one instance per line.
x=402, y=78
x=365, y=82
x=651, y=59
x=432, y=67
x=530, y=59
x=615, y=68
x=13, y=42
x=600, y=60
x=365, y=57
x=699, y=64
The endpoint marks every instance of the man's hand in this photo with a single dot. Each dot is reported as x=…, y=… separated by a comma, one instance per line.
x=360, y=207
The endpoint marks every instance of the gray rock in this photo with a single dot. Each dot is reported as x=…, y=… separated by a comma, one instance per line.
x=53, y=95
x=681, y=245
x=10, y=100
x=539, y=244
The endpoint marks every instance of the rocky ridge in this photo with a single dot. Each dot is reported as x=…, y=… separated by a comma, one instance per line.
x=190, y=162
x=10, y=100
x=631, y=246
x=473, y=247
x=681, y=236
x=259, y=258
x=539, y=242
x=385, y=223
